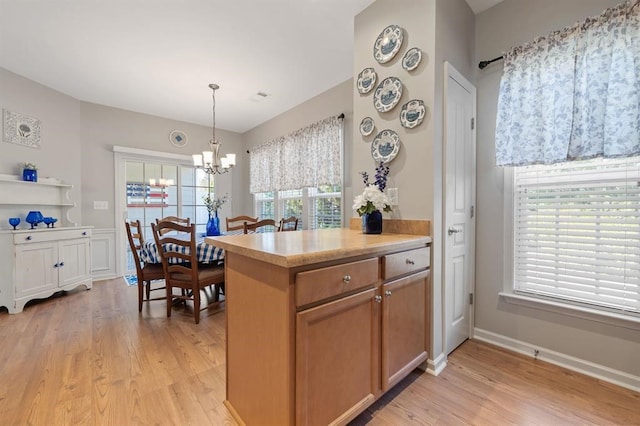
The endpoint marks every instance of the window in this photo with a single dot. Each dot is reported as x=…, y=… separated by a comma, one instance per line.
x=316, y=208
x=576, y=233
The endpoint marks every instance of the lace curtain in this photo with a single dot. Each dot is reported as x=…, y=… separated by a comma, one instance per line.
x=309, y=157
x=573, y=94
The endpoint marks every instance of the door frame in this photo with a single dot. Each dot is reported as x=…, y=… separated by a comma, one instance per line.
x=451, y=72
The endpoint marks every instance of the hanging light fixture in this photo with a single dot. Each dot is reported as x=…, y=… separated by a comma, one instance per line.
x=210, y=161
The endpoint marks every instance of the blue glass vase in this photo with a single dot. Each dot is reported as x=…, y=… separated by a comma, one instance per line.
x=372, y=222
x=30, y=175
x=213, y=225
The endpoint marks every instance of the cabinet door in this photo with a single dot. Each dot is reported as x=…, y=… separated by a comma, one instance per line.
x=74, y=261
x=337, y=362
x=404, y=327
x=35, y=268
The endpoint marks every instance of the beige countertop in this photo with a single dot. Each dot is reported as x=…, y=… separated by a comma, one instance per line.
x=291, y=249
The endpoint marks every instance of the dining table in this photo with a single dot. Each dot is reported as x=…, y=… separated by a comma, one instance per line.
x=207, y=253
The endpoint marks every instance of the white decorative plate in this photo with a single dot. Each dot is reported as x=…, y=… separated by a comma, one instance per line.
x=385, y=146
x=388, y=43
x=411, y=59
x=387, y=94
x=366, y=126
x=366, y=80
x=412, y=113
x=178, y=138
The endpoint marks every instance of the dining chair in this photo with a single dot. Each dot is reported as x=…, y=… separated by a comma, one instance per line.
x=181, y=267
x=175, y=219
x=237, y=223
x=288, y=224
x=146, y=272
x=268, y=224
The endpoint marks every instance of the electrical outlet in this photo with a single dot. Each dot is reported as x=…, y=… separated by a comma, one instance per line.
x=392, y=194
x=101, y=205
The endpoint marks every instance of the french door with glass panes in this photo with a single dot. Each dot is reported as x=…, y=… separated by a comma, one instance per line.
x=155, y=190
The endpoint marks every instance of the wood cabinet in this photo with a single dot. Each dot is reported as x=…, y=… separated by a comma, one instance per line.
x=41, y=261
x=314, y=339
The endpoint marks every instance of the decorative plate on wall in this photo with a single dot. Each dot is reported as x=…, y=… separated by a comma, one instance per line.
x=411, y=59
x=388, y=43
x=366, y=80
x=178, y=138
x=412, y=113
x=387, y=94
x=366, y=126
x=385, y=146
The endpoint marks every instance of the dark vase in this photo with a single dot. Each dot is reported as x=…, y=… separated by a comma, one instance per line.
x=30, y=175
x=213, y=225
x=372, y=222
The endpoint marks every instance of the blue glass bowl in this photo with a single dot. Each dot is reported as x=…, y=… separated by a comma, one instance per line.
x=14, y=221
x=34, y=218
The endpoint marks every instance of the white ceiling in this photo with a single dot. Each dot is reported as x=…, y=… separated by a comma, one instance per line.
x=158, y=57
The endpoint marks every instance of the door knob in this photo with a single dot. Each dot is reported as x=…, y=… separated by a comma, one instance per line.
x=453, y=230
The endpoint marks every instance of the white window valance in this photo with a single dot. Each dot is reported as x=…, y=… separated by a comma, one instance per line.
x=309, y=157
x=573, y=94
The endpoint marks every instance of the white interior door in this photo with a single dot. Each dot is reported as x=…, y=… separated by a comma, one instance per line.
x=459, y=218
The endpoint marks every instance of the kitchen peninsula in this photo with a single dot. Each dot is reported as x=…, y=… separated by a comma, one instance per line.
x=321, y=323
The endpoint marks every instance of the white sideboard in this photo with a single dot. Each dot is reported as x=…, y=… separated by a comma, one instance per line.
x=38, y=262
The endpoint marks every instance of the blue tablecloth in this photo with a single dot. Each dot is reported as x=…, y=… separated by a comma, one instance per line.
x=206, y=253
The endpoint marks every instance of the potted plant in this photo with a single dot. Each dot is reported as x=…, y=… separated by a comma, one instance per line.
x=29, y=172
x=373, y=201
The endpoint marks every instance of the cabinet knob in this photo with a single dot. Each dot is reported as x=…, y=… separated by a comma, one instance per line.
x=61, y=263
x=377, y=299
x=84, y=233
x=346, y=279
x=28, y=238
x=410, y=262
x=387, y=293
x=55, y=266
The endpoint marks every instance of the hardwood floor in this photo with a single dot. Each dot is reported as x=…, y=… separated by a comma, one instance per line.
x=88, y=357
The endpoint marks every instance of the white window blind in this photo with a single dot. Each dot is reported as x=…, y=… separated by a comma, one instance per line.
x=577, y=232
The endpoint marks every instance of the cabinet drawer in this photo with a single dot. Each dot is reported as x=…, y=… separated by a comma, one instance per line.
x=406, y=262
x=324, y=283
x=39, y=236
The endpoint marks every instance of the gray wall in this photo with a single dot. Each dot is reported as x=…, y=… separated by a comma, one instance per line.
x=512, y=23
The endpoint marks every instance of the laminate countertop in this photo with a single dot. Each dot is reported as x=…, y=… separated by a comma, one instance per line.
x=299, y=248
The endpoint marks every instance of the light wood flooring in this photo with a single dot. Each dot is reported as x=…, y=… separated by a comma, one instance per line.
x=88, y=357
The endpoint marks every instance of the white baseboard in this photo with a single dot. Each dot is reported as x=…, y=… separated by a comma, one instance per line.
x=588, y=368
x=435, y=366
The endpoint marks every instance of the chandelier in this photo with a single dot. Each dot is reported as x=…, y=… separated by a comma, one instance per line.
x=210, y=161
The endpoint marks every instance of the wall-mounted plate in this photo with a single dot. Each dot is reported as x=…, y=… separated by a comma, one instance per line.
x=178, y=138
x=385, y=146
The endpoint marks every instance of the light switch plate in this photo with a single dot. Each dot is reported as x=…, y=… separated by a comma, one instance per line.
x=392, y=194
x=101, y=205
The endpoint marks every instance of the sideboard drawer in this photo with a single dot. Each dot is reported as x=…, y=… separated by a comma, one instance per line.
x=39, y=236
x=324, y=283
x=405, y=262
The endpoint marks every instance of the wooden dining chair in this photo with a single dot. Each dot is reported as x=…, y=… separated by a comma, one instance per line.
x=146, y=272
x=237, y=223
x=181, y=267
x=288, y=224
x=269, y=225
x=175, y=219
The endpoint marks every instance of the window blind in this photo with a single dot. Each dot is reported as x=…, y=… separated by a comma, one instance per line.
x=577, y=232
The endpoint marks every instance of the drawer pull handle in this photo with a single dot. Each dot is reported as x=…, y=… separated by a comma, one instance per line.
x=387, y=293
x=346, y=279
x=377, y=299
x=410, y=262
x=28, y=238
